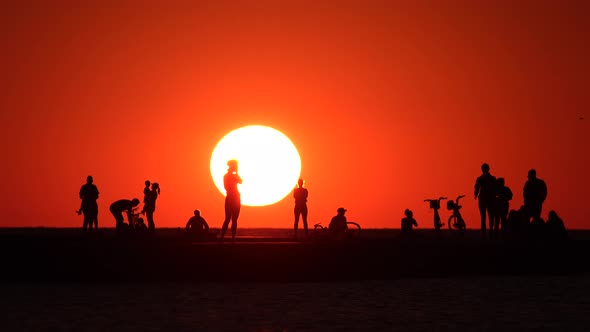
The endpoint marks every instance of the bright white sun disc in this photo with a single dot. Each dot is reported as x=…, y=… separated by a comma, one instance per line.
x=268, y=163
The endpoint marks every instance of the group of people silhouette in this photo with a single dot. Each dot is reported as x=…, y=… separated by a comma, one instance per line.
x=494, y=203
x=89, y=207
x=492, y=194
x=493, y=197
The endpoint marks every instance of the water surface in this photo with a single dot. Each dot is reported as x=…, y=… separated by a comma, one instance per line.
x=519, y=303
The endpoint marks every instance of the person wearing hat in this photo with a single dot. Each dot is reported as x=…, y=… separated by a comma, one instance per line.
x=338, y=223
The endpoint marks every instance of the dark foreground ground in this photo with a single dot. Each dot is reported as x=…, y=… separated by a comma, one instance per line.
x=68, y=255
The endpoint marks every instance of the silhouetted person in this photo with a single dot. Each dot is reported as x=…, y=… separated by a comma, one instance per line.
x=484, y=192
x=555, y=227
x=197, y=223
x=197, y=227
x=408, y=222
x=337, y=225
x=120, y=206
x=523, y=225
x=502, y=204
x=88, y=206
x=510, y=227
x=233, y=202
x=146, y=193
x=534, y=194
x=150, y=205
x=300, y=195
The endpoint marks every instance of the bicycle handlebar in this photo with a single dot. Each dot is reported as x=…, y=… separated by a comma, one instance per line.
x=458, y=198
x=434, y=199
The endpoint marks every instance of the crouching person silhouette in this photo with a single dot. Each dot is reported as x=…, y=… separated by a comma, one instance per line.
x=120, y=206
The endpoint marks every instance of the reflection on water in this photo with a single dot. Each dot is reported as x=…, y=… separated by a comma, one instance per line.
x=459, y=304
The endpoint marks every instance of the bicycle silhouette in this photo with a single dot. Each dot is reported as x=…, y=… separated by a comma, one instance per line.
x=136, y=221
x=435, y=205
x=353, y=230
x=456, y=221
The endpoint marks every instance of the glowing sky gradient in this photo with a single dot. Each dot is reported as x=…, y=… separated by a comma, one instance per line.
x=388, y=103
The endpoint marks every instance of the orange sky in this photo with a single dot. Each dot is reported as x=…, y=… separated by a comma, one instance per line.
x=388, y=103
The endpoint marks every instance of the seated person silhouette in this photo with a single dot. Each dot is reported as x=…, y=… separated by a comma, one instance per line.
x=555, y=227
x=408, y=222
x=338, y=224
x=537, y=228
x=197, y=227
x=120, y=206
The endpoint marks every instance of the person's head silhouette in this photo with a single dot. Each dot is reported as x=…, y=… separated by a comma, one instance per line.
x=135, y=202
x=501, y=182
x=409, y=213
x=532, y=174
x=232, y=166
x=147, y=183
x=89, y=179
x=485, y=168
x=156, y=187
x=197, y=213
x=300, y=183
x=341, y=211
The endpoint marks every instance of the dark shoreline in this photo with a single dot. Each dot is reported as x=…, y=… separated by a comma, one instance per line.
x=68, y=255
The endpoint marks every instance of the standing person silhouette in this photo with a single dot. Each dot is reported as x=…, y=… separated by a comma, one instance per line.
x=485, y=186
x=146, y=193
x=300, y=194
x=150, y=205
x=233, y=203
x=534, y=194
x=503, y=197
x=88, y=206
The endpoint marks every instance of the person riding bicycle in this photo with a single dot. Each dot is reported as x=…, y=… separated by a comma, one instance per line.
x=338, y=223
x=120, y=206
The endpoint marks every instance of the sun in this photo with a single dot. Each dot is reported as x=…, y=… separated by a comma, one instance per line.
x=268, y=163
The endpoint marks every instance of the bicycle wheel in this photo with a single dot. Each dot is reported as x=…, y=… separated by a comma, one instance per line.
x=354, y=231
x=452, y=221
x=462, y=224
